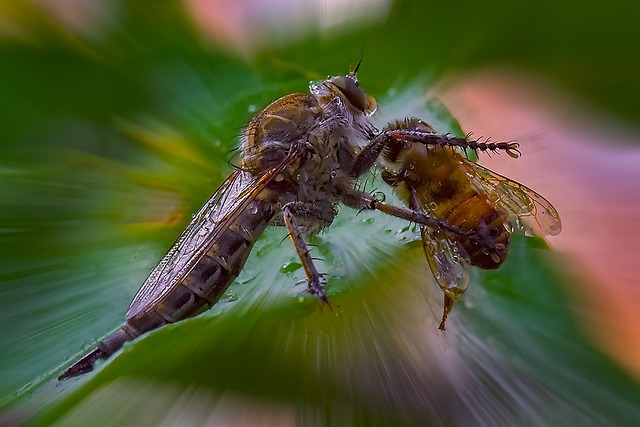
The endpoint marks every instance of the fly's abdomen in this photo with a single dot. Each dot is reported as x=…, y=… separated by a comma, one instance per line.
x=211, y=276
x=197, y=291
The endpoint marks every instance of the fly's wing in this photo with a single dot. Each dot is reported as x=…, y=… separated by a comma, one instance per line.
x=532, y=211
x=191, y=245
x=229, y=200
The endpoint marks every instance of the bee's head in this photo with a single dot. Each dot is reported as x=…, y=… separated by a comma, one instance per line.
x=346, y=90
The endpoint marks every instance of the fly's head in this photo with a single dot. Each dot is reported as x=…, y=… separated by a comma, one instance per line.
x=342, y=96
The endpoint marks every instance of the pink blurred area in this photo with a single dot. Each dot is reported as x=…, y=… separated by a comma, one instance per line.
x=247, y=26
x=76, y=18
x=588, y=166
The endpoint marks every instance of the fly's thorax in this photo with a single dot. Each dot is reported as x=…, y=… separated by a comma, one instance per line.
x=270, y=134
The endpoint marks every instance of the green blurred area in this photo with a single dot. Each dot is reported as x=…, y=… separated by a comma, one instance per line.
x=109, y=143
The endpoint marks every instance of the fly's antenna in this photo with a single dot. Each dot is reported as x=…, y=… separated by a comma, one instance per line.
x=354, y=73
x=355, y=70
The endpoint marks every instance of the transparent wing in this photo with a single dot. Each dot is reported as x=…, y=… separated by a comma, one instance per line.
x=229, y=200
x=235, y=193
x=447, y=261
x=532, y=212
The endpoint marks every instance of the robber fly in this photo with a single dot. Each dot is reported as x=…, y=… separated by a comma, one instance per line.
x=300, y=157
x=441, y=182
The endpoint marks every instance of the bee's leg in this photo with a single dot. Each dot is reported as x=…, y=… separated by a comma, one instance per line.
x=315, y=284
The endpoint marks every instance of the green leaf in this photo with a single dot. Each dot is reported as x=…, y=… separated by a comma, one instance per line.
x=109, y=146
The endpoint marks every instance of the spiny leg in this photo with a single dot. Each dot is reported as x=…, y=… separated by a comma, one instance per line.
x=364, y=201
x=412, y=130
x=315, y=284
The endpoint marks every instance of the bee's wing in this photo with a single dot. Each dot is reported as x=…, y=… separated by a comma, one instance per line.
x=531, y=209
x=446, y=257
x=447, y=261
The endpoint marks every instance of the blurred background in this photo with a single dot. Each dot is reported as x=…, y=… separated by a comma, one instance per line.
x=119, y=119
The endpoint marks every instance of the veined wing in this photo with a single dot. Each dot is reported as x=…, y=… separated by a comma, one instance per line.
x=233, y=195
x=531, y=209
x=447, y=260
x=226, y=204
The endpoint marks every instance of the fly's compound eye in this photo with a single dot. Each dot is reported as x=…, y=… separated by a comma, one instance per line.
x=350, y=88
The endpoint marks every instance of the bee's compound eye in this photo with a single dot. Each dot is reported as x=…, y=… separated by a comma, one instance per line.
x=350, y=88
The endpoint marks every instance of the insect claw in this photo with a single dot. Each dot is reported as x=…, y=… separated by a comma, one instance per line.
x=324, y=301
x=446, y=309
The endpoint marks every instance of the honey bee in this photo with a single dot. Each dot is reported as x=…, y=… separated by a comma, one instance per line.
x=440, y=182
x=301, y=156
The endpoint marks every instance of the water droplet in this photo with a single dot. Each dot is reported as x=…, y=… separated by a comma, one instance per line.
x=253, y=209
x=433, y=206
x=380, y=196
x=231, y=297
x=252, y=108
x=290, y=267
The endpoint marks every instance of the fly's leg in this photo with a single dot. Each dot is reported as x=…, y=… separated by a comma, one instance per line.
x=364, y=201
x=315, y=284
x=411, y=130
x=356, y=165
